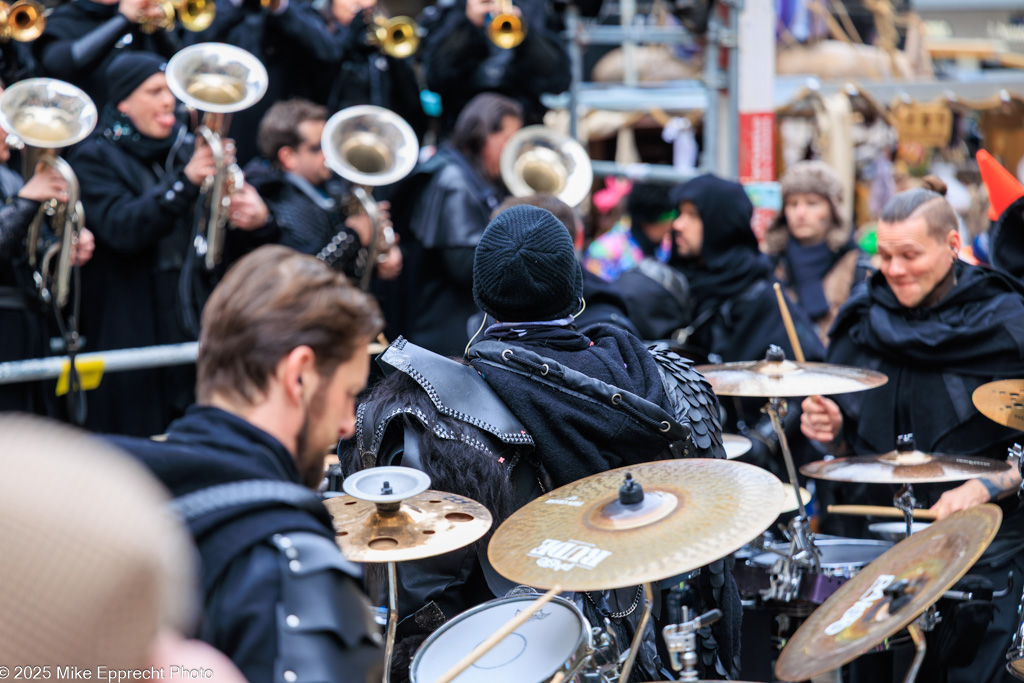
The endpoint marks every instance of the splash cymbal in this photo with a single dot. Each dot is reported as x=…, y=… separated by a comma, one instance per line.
x=583, y=537
x=789, y=498
x=896, y=467
x=1002, y=402
x=736, y=445
x=785, y=378
x=427, y=524
x=861, y=615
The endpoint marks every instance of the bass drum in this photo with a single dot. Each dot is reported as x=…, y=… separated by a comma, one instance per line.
x=555, y=640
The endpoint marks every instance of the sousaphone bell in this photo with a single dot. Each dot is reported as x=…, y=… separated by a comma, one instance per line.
x=538, y=160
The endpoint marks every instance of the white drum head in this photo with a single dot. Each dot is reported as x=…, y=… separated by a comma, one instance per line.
x=532, y=653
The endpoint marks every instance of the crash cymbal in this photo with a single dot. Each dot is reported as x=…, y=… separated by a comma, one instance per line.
x=789, y=498
x=427, y=524
x=1002, y=402
x=781, y=379
x=860, y=614
x=583, y=537
x=895, y=467
x=736, y=445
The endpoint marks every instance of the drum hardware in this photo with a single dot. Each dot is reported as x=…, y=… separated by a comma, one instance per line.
x=218, y=80
x=539, y=160
x=390, y=516
x=42, y=116
x=888, y=595
x=369, y=146
x=681, y=635
x=601, y=532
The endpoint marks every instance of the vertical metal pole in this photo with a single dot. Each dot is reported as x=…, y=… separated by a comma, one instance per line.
x=709, y=159
x=921, y=646
x=634, y=648
x=732, y=134
x=573, y=28
x=389, y=647
x=627, y=17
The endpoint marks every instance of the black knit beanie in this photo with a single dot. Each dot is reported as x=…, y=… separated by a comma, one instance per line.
x=525, y=267
x=128, y=71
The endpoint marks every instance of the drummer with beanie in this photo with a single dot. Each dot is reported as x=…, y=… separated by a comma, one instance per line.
x=593, y=401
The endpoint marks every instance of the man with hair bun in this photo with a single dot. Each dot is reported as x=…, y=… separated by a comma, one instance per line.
x=282, y=357
x=938, y=328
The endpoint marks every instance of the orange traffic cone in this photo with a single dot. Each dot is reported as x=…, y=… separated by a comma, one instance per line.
x=1003, y=188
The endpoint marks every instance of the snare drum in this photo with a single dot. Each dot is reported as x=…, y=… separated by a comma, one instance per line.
x=554, y=640
x=841, y=558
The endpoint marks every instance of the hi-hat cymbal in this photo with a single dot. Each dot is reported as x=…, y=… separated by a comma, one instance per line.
x=582, y=537
x=859, y=615
x=736, y=445
x=427, y=524
x=789, y=498
x=1002, y=402
x=781, y=379
x=895, y=467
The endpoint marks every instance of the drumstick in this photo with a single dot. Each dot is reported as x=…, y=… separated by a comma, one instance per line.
x=498, y=636
x=880, y=511
x=787, y=320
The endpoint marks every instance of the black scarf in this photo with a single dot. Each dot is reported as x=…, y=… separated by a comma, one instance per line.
x=977, y=329
x=121, y=132
x=808, y=265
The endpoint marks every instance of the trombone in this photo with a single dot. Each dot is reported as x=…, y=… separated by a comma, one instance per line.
x=23, y=21
x=369, y=146
x=194, y=15
x=398, y=37
x=43, y=115
x=506, y=29
x=218, y=80
x=537, y=159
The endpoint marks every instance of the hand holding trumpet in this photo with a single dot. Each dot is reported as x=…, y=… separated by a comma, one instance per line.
x=45, y=184
x=138, y=11
x=202, y=164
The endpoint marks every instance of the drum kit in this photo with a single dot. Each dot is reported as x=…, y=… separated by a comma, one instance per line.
x=640, y=525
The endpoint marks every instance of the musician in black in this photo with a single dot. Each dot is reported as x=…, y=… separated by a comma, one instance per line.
x=451, y=197
x=24, y=316
x=282, y=358
x=306, y=197
x=938, y=328
x=460, y=61
x=140, y=174
x=83, y=37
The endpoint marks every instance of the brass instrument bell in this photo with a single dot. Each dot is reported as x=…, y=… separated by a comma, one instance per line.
x=24, y=21
x=506, y=29
x=538, y=160
x=396, y=37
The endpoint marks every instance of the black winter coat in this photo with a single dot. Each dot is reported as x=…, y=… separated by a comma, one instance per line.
x=23, y=322
x=460, y=62
x=141, y=213
x=107, y=32
x=240, y=608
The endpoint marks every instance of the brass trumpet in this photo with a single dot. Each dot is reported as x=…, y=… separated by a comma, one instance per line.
x=218, y=80
x=506, y=29
x=194, y=15
x=398, y=37
x=44, y=115
x=23, y=21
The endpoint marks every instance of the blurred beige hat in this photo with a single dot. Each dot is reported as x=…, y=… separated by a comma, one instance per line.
x=92, y=562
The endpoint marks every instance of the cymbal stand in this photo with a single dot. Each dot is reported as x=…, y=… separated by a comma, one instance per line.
x=634, y=647
x=899, y=597
x=603, y=660
x=389, y=646
x=905, y=501
x=681, y=641
x=788, y=571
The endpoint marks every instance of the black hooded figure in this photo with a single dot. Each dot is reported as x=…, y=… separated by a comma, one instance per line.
x=593, y=401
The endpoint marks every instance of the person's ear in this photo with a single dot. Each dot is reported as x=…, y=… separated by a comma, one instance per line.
x=286, y=158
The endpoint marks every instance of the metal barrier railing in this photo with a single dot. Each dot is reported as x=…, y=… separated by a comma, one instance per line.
x=108, y=361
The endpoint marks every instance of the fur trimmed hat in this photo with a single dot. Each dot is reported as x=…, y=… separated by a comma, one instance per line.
x=810, y=177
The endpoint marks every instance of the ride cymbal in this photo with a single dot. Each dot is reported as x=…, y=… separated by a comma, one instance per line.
x=1002, y=402
x=583, y=537
x=427, y=524
x=911, y=467
x=888, y=594
x=736, y=445
x=782, y=379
